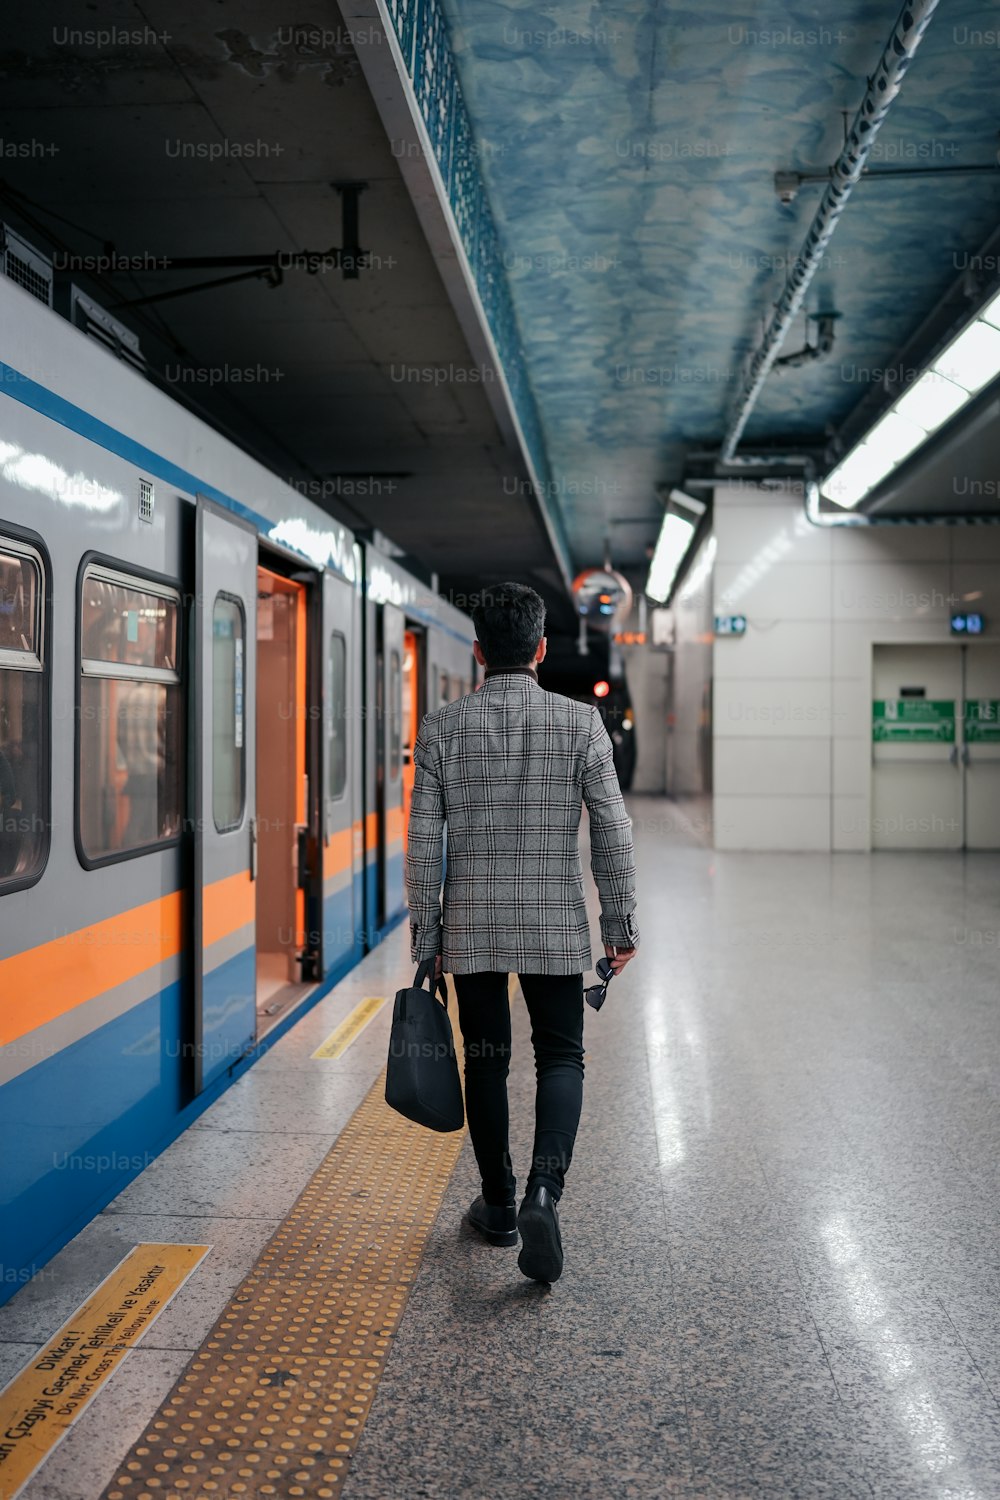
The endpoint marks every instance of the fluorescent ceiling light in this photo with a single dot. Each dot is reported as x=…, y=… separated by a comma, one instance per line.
x=672, y=543
x=974, y=357
x=931, y=400
x=960, y=371
x=894, y=437
x=851, y=480
x=991, y=312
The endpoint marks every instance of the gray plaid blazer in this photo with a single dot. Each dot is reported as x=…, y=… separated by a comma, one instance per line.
x=507, y=769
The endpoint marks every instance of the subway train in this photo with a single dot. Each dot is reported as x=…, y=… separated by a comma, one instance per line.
x=590, y=679
x=209, y=696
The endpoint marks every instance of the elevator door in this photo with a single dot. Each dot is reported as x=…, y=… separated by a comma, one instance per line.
x=917, y=784
x=936, y=747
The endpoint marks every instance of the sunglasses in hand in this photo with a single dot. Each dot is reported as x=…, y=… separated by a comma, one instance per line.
x=596, y=994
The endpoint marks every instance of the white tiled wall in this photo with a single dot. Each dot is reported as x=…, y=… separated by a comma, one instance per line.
x=688, y=758
x=792, y=698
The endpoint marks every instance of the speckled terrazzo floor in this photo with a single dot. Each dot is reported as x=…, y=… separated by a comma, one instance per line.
x=781, y=1225
x=782, y=1259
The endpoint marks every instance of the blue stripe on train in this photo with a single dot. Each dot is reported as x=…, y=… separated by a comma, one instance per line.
x=395, y=902
x=343, y=936
x=229, y=1007
x=80, y=1125
x=395, y=898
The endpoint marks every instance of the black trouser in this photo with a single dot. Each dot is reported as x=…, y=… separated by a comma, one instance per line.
x=555, y=1006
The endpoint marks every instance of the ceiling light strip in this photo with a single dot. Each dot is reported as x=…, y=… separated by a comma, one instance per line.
x=954, y=377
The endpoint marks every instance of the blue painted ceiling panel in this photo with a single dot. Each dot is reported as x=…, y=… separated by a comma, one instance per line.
x=629, y=151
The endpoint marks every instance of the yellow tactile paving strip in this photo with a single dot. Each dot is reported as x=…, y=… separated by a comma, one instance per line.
x=349, y=1030
x=40, y=1405
x=275, y=1400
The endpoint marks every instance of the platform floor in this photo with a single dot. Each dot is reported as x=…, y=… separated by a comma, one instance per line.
x=781, y=1224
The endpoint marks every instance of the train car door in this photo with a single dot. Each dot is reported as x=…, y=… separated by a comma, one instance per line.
x=339, y=765
x=390, y=731
x=224, y=781
x=414, y=674
x=287, y=830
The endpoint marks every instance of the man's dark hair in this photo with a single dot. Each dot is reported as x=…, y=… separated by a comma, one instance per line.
x=510, y=622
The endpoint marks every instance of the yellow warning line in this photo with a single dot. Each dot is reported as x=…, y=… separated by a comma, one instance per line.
x=273, y=1403
x=350, y=1029
x=41, y=1403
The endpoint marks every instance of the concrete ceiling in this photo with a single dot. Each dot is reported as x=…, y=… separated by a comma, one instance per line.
x=629, y=150
x=214, y=129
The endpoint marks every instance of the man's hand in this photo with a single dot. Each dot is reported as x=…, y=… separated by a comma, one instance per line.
x=619, y=956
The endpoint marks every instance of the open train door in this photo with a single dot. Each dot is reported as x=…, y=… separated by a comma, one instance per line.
x=223, y=788
x=391, y=735
x=342, y=849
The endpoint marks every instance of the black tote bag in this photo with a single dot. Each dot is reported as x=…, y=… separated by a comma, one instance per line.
x=421, y=1076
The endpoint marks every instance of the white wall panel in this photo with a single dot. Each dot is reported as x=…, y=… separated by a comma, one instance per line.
x=772, y=767
x=779, y=591
x=794, y=694
x=773, y=708
x=851, y=825
x=880, y=592
x=851, y=764
x=789, y=648
x=786, y=823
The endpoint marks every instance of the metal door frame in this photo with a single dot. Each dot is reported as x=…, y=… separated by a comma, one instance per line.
x=337, y=611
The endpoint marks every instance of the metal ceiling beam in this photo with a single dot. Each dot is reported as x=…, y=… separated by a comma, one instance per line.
x=883, y=87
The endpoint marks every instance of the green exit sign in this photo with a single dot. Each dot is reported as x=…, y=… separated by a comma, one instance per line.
x=730, y=624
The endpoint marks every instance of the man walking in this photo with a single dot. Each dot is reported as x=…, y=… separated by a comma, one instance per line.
x=508, y=768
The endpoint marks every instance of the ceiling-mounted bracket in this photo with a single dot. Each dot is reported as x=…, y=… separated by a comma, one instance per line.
x=822, y=345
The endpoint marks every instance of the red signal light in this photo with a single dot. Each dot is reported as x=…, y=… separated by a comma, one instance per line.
x=602, y=689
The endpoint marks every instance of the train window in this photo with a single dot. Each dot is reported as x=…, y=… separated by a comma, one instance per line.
x=228, y=733
x=445, y=688
x=24, y=822
x=395, y=716
x=129, y=793
x=337, y=730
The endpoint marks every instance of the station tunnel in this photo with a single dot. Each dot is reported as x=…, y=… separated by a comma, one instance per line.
x=446, y=447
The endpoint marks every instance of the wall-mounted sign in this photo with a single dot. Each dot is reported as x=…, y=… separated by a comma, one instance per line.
x=982, y=720
x=914, y=720
x=629, y=637
x=730, y=624
x=967, y=624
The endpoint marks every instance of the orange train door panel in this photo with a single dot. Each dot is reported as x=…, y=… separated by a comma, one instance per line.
x=391, y=731
x=412, y=699
x=282, y=788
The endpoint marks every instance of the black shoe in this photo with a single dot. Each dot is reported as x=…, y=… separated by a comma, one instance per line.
x=495, y=1222
x=541, y=1255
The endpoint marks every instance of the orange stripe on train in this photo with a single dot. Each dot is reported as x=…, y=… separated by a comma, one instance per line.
x=228, y=905
x=55, y=977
